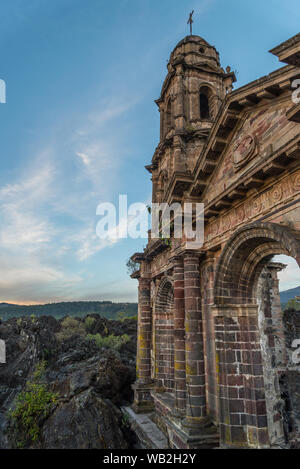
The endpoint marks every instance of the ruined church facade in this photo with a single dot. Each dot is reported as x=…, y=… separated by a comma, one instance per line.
x=214, y=350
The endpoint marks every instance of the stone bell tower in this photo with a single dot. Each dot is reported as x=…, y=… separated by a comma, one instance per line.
x=190, y=99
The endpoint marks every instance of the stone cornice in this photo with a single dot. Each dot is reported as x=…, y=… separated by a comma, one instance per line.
x=138, y=257
x=288, y=51
x=293, y=114
x=155, y=248
x=271, y=165
x=168, y=141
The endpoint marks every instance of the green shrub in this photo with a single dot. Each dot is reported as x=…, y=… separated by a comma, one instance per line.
x=69, y=328
x=111, y=341
x=131, y=318
x=294, y=304
x=33, y=405
x=125, y=422
x=89, y=322
x=122, y=316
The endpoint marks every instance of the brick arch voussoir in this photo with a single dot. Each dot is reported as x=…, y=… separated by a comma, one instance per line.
x=165, y=296
x=242, y=255
x=252, y=269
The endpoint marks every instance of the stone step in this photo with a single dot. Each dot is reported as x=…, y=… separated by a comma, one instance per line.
x=148, y=433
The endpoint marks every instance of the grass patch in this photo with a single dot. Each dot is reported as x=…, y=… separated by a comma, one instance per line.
x=111, y=341
x=69, y=328
x=33, y=405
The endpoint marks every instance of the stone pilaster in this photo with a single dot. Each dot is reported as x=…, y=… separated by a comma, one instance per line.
x=195, y=374
x=143, y=385
x=179, y=336
x=179, y=114
x=179, y=155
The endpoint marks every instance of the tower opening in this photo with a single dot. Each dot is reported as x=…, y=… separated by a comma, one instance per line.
x=168, y=117
x=204, y=103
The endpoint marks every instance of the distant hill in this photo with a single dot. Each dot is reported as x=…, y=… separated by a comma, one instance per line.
x=106, y=309
x=286, y=295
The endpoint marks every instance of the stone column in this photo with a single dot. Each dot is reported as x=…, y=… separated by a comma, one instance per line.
x=195, y=374
x=143, y=385
x=273, y=348
x=179, y=337
x=277, y=315
x=179, y=155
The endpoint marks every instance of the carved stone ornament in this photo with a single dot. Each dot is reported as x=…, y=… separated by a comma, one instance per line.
x=244, y=150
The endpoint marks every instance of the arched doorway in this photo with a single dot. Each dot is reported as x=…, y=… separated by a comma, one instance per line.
x=164, y=336
x=251, y=373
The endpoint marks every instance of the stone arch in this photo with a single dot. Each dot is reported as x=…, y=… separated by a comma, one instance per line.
x=209, y=98
x=249, y=374
x=165, y=297
x=244, y=257
x=164, y=335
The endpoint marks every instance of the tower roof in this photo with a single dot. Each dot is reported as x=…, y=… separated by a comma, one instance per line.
x=197, y=46
x=194, y=39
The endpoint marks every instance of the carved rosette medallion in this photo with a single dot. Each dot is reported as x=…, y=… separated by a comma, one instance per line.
x=226, y=222
x=244, y=150
x=256, y=207
x=296, y=182
x=240, y=214
x=214, y=229
x=277, y=194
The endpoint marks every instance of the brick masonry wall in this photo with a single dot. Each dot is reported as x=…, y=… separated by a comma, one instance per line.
x=164, y=352
x=164, y=336
x=195, y=372
x=243, y=414
x=207, y=284
x=179, y=336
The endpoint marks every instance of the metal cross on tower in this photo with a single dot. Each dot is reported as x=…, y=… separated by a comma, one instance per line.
x=190, y=22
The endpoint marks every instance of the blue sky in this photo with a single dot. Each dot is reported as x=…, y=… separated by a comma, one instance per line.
x=80, y=124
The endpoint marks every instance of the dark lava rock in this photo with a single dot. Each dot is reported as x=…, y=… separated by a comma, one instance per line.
x=90, y=382
x=84, y=422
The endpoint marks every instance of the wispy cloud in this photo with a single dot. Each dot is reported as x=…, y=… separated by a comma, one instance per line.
x=23, y=224
x=48, y=214
x=109, y=110
x=87, y=243
x=98, y=145
x=28, y=237
x=85, y=158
